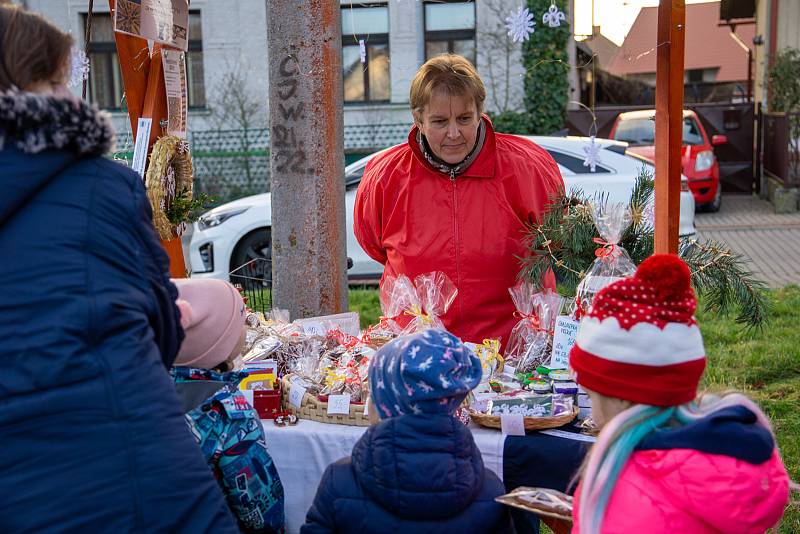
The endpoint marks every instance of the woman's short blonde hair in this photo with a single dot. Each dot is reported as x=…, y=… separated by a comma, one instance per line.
x=453, y=73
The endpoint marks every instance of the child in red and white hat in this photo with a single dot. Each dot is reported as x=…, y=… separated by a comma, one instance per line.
x=666, y=460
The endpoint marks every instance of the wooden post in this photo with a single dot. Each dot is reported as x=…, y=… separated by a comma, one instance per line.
x=146, y=97
x=669, y=123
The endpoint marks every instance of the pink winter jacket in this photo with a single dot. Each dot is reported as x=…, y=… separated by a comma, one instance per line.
x=685, y=490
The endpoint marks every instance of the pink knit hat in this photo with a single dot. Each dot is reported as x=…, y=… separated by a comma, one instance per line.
x=212, y=315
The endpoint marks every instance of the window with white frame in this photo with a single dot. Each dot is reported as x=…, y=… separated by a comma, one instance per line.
x=450, y=29
x=365, y=67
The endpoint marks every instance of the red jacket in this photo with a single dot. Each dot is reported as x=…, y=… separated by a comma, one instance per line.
x=415, y=220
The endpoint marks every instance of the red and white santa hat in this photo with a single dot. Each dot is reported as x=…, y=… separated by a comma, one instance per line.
x=640, y=341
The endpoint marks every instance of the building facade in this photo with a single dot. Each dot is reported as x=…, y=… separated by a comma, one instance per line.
x=227, y=57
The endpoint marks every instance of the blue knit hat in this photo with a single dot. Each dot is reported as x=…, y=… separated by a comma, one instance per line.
x=426, y=373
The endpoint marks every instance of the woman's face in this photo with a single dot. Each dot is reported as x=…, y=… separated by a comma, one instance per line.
x=450, y=124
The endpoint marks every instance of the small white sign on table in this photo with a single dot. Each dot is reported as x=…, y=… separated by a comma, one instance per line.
x=563, y=339
x=313, y=328
x=339, y=404
x=512, y=424
x=296, y=393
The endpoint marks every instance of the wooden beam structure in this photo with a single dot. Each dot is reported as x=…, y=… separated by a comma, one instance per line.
x=146, y=97
x=669, y=123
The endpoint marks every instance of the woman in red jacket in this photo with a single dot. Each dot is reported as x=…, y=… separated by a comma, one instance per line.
x=456, y=198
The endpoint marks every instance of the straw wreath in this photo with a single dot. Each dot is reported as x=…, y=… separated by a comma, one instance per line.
x=169, y=176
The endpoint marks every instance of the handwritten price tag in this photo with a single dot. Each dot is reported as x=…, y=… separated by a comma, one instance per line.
x=339, y=404
x=313, y=328
x=296, y=394
x=512, y=424
x=563, y=340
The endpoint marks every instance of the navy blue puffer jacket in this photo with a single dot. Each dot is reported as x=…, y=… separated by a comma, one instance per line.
x=411, y=473
x=92, y=436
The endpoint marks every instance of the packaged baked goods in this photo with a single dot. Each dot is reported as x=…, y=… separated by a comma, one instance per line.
x=418, y=305
x=612, y=262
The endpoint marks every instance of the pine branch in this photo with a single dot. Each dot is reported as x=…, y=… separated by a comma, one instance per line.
x=563, y=242
x=722, y=279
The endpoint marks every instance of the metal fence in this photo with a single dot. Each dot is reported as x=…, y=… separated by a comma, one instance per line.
x=231, y=164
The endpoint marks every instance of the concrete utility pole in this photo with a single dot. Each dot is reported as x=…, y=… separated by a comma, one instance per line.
x=309, y=269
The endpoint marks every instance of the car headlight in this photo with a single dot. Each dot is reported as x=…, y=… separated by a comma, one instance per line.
x=704, y=161
x=210, y=220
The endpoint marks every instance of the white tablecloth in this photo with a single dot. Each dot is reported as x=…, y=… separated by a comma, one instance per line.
x=302, y=452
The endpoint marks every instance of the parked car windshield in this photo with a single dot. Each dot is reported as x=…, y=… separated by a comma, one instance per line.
x=641, y=132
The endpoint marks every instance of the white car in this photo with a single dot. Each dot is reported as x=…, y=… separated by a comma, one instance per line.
x=232, y=234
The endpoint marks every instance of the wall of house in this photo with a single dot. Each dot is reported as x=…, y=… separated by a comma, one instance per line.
x=788, y=24
x=235, y=46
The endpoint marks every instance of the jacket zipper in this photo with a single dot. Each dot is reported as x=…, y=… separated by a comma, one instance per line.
x=455, y=239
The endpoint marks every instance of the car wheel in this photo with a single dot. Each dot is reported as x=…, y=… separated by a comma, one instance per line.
x=715, y=204
x=251, y=261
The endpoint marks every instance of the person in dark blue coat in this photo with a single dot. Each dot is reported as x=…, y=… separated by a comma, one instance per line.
x=418, y=470
x=92, y=435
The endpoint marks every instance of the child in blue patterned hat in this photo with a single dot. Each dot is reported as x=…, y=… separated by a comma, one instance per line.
x=417, y=469
x=224, y=424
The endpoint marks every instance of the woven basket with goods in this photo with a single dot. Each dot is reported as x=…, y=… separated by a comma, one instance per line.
x=315, y=409
x=531, y=423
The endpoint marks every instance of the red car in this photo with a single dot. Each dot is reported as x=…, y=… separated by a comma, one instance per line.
x=699, y=163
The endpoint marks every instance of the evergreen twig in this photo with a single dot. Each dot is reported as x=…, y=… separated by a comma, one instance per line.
x=562, y=243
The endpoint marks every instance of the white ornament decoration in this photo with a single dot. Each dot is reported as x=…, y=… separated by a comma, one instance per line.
x=520, y=25
x=79, y=67
x=553, y=17
x=363, y=49
x=592, y=151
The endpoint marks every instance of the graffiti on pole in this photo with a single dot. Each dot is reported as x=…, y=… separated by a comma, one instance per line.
x=290, y=153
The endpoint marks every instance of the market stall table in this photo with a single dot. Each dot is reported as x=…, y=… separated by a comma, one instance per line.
x=303, y=452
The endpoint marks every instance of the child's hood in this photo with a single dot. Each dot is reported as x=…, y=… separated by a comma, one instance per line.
x=425, y=467
x=723, y=469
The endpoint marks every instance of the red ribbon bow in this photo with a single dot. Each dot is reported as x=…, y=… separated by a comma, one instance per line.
x=531, y=318
x=606, y=249
x=345, y=340
x=579, y=311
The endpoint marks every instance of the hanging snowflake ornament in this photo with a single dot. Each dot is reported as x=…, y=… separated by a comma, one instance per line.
x=363, y=50
x=553, y=17
x=520, y=25
x=592, y=151
x=79, y=67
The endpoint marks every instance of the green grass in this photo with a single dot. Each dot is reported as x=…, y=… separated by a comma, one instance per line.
x=368, y=305
x=764, y=365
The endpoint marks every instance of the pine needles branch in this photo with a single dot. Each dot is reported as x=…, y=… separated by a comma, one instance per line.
x=563, y=243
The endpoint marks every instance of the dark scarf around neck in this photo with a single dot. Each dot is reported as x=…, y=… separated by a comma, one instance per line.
x=34, y=123
x=447, y=168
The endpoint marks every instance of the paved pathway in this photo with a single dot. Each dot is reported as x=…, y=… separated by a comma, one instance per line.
x=749, y=225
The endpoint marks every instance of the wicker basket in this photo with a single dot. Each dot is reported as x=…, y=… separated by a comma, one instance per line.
x=316, y=410
x=531, y=423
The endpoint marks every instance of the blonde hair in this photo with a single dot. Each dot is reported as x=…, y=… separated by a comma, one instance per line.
x=450, y=72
